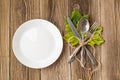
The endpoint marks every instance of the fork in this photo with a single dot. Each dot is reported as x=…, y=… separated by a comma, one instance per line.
x=90, y=32
x=93, y=28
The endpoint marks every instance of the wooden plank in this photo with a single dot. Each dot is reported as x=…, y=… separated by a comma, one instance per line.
x=77, y=72
x=83, y=6
x=34, y=74
x=117, y=17
x=55, y=11
x=109, y=54
x=22, y=11
x=4, y=40
x=91, y=7
x=4, y=28
x=4, y=68
x=33, y=12
x=17, y=17
x=94, y=12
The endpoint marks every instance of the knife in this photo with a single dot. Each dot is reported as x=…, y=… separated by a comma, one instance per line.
x=74, y=30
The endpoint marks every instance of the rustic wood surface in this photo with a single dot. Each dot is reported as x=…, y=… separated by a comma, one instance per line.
x=106, y=12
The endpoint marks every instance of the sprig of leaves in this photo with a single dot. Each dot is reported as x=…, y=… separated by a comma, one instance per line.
x=69, y=36
x=95, y=39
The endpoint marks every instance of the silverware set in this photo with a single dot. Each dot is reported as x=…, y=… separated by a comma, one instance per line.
x=84, y=27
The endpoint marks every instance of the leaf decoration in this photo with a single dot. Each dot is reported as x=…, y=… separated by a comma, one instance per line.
x=96, y=38
x=75, y=18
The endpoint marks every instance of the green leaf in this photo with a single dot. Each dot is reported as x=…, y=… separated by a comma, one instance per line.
x=99, y=30
x=74, y=41
x=67, y=27
x=75, y=17
x=70, y=38
x=96, y=38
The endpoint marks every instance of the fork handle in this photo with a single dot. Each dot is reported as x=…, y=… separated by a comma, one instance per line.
x=83, y=61
x=91, y=57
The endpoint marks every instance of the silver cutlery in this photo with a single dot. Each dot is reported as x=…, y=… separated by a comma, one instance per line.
x=72, y=57
x=93, y=28
x=91, y=57
x=84, y=27
x=73, y=28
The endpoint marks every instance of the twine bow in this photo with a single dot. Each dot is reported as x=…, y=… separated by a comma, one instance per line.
x=78, y=49
x=89, y=70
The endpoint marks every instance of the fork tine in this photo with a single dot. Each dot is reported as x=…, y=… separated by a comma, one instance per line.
x=94, y=27
x=93, y=24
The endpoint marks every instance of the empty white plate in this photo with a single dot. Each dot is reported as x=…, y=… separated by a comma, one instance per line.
x=37, y=43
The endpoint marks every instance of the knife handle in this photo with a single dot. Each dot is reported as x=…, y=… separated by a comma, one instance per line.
x=72, y=57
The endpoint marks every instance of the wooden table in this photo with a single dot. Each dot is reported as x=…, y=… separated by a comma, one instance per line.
x=106, y=12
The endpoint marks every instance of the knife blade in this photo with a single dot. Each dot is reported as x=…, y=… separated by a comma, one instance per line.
x=74, y=30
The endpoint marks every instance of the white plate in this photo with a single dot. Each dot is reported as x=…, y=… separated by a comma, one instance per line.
x=37, y=43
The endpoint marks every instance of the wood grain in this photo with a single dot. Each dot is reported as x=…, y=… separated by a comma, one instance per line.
x=109, y=57
x=106, y=12
x=55, y=11
x=32, y=11
x=95, y=15
x=17, y=17
x=4, y=40
x=84, y=7
x=21, y=11
x=117, y=24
